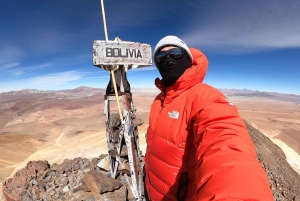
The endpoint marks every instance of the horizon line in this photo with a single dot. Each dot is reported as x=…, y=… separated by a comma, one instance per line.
x=152, y=88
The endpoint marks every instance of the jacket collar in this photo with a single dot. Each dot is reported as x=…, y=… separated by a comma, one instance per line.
x=193, y=75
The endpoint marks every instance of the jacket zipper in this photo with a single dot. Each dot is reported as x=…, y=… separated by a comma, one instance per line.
x=164, y=97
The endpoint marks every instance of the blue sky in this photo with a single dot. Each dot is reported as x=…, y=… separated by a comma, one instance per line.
x=249, y=44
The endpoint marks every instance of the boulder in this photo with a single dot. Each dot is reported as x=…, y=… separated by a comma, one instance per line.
x=99, y=183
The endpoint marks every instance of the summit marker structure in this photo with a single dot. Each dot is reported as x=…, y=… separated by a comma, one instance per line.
x=118, y=57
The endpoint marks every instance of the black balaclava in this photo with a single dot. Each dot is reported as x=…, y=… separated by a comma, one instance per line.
x=171, y=69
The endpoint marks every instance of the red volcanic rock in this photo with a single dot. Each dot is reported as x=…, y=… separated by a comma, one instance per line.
x=77, y=179
x=99, y=183
x=14, y=194
x=34, y=169
x=15, y=188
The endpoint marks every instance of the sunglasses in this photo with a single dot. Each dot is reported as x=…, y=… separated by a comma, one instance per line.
x=175, y=53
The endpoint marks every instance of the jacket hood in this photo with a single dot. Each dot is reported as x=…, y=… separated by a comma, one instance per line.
x=193, y=75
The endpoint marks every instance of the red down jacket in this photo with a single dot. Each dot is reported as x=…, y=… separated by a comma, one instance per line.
x=198, y=147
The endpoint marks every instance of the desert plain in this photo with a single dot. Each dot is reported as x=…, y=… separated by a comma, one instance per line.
x=59, y=125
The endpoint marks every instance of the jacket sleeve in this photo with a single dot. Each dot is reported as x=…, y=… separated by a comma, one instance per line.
x=227, y=167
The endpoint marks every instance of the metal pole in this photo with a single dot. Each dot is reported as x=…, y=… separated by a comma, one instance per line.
x=111, y=67
x=104, y=20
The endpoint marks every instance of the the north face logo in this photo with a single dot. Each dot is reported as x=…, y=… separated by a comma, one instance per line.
x=174, y=114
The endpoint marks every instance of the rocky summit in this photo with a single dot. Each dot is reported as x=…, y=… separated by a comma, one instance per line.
x=77, y=179
x=283, y=180
x=88, y=180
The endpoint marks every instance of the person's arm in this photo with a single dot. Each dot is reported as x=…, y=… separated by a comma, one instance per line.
x=227, y=165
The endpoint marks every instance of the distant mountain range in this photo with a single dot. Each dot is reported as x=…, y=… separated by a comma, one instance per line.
x=270, y=95
x=228, y=92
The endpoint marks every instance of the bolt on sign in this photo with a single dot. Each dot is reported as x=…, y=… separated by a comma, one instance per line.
x=120, y=52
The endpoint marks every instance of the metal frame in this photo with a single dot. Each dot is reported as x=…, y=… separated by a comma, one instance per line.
x=129, y=132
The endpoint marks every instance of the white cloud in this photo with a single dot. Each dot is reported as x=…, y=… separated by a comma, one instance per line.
x=55, y=78
x=9, y=53
x=14, y=69
x=147, y=68
x=34, y=67
x=9, y=65
x=247, y=26
x=17, y=73
x=42, y=82
x=99, y=77
x=49, y=40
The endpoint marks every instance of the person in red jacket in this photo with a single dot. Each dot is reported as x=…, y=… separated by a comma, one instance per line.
x=198, y=147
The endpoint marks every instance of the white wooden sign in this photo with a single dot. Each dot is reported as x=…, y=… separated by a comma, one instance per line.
x=120, y=52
